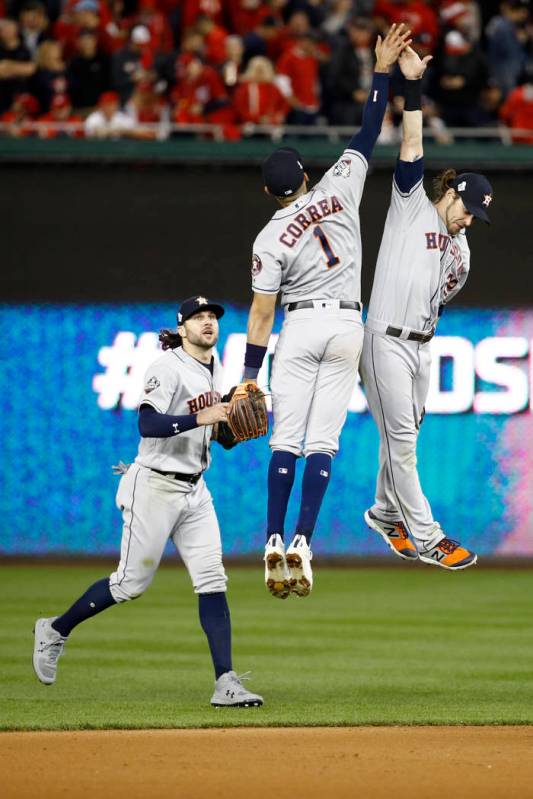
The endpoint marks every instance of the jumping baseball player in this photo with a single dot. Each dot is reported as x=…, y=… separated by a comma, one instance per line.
x=311, y=252
x=423, y=262
x=163, y=495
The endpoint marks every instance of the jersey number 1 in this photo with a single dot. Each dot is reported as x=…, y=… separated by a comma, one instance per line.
x=331, y=258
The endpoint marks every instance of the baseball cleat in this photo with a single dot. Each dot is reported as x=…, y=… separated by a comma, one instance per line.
x=394, y=534
x=299, y=558
x=449, y=554
x=47, y=648
x=230, y=692
x=276, y=571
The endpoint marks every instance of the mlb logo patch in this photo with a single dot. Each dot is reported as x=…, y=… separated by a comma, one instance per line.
x=342, y=168
x=152, y=384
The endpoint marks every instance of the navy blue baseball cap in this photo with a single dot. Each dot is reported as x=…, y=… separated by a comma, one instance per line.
x=195, y=304
x=283, y=172
x=476, y=193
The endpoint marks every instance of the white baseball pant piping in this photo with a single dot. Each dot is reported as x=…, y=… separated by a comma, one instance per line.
x=155, y=508
x=396, y=379
x=313, y=376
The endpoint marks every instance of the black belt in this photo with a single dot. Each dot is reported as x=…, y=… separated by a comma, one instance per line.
x=186, y=478
x=345, y=304
x=422, y=337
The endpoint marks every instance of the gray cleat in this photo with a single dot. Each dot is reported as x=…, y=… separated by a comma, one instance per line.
x=48, y=646
x=230, y=692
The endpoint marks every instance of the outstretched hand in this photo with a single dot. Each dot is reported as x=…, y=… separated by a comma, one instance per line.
x=411, y=65
x=388, y=49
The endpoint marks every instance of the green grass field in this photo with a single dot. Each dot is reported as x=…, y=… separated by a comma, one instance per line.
x=409, y=645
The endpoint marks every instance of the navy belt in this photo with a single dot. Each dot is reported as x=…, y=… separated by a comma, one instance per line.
x=345, y=304
x=185, y=478
x=422, y=337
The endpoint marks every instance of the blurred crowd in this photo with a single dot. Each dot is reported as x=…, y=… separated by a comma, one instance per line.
x=136, y=68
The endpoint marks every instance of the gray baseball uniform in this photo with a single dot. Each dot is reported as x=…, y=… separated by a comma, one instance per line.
x=311, y=252
x=156, y=507
x=420, y=267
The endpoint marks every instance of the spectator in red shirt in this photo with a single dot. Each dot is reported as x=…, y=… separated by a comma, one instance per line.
x=298, y=68
x=248, y=15
x=161, y=36
x=417, y=15
x=146, y=106
x=214, y=40
x=62, y=119
x=257, y=99
x=84, y=15
x=517, y=112
x=192, y=9
x=199, y=94
x=18, y=120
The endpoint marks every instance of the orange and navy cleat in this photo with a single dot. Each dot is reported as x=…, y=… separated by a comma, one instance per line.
x=449, y=554
x=394, y=534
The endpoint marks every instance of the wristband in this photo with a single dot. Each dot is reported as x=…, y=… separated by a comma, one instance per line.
x=250, y=372
x=412, y=93
x=254, y=356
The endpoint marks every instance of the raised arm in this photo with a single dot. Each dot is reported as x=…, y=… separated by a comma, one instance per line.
x=387, y=52
x=410, y=167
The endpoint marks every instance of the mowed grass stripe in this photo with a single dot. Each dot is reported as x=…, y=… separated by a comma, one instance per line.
x=370, y=646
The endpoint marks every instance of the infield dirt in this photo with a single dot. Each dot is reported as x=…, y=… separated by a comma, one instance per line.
x=370, y=762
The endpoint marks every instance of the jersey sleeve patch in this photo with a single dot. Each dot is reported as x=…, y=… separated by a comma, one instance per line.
x=343, y=168
x=257, y=265
x=151, y=384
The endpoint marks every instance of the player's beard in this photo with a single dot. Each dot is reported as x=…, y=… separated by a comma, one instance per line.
x=202, y=340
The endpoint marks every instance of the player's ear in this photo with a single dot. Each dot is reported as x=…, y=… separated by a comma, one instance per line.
x=266, y=190
x=181, y=331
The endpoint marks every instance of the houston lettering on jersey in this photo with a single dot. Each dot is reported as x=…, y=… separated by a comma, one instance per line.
x=203, y=401
x=440, y=241
x=312, y=214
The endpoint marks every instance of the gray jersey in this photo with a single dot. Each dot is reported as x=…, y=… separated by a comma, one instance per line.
x=312, y=248
x=178, y=384
x=420, y=267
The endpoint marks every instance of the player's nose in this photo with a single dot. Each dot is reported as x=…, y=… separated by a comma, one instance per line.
x=469, y=218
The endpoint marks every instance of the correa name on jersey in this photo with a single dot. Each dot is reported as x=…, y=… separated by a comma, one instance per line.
x=312, y=214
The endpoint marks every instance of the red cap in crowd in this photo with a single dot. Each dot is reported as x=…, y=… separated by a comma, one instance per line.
x=28, y=103
x=108, y=97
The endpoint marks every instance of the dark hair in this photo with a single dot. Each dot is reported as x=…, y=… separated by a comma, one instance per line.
x=442, y=183
x=170, y=339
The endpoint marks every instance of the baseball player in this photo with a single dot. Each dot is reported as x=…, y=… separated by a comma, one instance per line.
x=163, y=495
x=423, y=262
x=311, y=252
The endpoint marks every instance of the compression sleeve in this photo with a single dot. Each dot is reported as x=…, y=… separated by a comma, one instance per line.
x=373, y=113
x=162, y=425
x=408, y=173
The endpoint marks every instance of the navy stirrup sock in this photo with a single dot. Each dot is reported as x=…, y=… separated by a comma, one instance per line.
x=280, y=481
x=97, y=598
x=315, y=482
x=216, y=624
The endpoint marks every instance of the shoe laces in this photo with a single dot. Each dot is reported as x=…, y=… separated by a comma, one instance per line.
x=448, y=545
x=54, y=649
x=400, y=528
x=238, y=678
